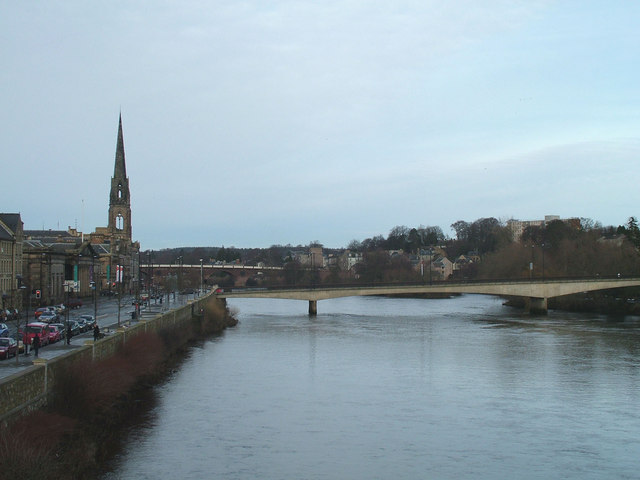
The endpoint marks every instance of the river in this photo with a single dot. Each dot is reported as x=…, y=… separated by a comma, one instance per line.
x=382, y=388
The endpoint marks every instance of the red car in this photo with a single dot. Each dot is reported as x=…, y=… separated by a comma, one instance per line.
x=8, y=347
x=36, y=329
x=54, y=334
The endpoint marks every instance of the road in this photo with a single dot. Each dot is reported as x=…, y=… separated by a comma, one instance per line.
x=107, y=317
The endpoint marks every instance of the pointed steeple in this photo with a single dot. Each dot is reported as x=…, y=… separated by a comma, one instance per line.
x=120, y=168
x=119, y=197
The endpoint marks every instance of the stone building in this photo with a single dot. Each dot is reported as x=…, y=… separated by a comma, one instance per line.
x=11, y=258
x=70, y=263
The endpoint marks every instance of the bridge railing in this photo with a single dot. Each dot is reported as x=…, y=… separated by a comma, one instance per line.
x=457, y=282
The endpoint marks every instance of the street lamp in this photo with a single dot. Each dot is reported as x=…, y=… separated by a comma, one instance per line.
x=24, y=288
x=180, y=259
x=531, y=264
x=94, y=285
x=66, y=311
x=201, y=278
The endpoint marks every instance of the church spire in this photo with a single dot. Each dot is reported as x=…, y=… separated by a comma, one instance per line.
x=119, y=197
x=120, y=169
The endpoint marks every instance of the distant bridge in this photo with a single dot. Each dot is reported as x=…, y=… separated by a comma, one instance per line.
x=535, y=291
x=209, y=266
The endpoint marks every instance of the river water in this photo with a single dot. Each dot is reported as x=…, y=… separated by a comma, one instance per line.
x=384, y=388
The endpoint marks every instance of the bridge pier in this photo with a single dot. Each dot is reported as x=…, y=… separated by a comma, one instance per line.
x=313, y=307
x=537, y=305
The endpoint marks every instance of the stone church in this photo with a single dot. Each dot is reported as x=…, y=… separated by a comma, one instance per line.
x=70, y=263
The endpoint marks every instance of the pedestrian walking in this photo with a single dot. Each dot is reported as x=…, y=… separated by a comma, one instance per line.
x=36, y=344
x=96, y=332
x=68, y=334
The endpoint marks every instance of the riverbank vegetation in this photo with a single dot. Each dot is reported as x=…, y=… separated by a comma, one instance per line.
x=91, y=402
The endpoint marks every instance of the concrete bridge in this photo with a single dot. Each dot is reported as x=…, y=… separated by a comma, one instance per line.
x=207, y=266
x=535, y=291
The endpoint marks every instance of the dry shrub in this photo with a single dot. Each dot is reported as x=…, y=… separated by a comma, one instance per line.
x=144, y=353
x=28, y=447
x=85, y=389
x=70, y=395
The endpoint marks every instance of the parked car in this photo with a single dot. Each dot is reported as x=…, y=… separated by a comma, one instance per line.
x=34, y=329
x=18, y=338
x=89, y=320
x=4, y=330
x=62, y=328
x=82, y=324
x=48, y=317
x=73, y=303
x=8, y=347
x=54, y=334
x=75, y=328
x=40, y=311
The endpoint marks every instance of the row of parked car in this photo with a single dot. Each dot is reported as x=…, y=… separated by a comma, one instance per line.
x=47, y=333
x=45, y=313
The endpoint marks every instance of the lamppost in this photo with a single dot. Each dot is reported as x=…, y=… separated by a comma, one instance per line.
x=150, y=278
x=180, y=259
x=24, y=288
x=119, y=291
x=66, y=311
x=201, y=277
x=531, y=264
x=94, y=285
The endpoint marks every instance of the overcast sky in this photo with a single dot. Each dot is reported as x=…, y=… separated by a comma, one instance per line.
x=252, y=123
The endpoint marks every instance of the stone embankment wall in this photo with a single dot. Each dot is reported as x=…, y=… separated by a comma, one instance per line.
x=28, y=390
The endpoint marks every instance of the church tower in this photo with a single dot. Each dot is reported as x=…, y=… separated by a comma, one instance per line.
x=119, y=227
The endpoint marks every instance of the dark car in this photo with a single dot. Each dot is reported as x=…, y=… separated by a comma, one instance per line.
x=8, y=347
x=82, y=324
x=73, y=303
x=75, y=328
x=89, y=320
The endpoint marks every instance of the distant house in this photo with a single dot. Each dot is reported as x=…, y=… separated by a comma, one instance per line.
x=443, y=267
x=314, y=258
x=349, y=259
x=461, y=262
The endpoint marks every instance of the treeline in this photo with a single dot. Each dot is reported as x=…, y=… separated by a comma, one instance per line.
x=559, y=249
x=578, y=248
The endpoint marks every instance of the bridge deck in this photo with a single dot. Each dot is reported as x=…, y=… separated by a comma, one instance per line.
x=543, y=289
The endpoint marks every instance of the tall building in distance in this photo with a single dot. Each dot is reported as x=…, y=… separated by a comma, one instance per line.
x=518, y=227
x=120, y=199
x=59, y=263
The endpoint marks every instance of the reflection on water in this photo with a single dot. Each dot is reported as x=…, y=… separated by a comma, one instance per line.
x=398, y=388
